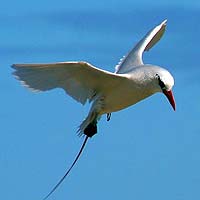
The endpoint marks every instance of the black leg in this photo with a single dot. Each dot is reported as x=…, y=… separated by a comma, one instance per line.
x=108, y=116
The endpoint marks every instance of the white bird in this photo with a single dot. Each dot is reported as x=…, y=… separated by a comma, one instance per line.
x=109, y=92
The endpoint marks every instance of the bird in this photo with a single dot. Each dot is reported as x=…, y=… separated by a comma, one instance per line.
x=108, y=92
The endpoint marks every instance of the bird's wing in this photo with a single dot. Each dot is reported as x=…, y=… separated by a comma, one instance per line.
x=80, y=80
x=134, y=57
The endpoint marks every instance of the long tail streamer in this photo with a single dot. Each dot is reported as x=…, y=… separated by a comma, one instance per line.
x=75, y=160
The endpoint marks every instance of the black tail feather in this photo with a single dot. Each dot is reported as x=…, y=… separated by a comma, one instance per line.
x=62, y=179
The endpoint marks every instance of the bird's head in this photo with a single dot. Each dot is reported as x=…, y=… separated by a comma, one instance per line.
x=165, y=82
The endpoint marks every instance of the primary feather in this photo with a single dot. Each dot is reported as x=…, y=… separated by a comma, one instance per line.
x=134, y=57
x=80, y=80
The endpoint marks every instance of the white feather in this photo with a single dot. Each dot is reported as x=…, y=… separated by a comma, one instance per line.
x=80, y=80
x=134, y=57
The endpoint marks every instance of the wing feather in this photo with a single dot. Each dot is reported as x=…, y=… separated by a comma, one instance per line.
x=134, y=57
x=80, y=80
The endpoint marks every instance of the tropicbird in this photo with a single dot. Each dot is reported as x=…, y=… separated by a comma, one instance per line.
x=108, y=92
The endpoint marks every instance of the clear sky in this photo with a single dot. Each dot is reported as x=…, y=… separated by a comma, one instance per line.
x=146, y=151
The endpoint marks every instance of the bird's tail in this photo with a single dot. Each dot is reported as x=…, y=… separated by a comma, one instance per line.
x=68, y=171
x=89, y=125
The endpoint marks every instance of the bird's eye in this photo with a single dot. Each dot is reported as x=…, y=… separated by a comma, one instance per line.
x=160, y=82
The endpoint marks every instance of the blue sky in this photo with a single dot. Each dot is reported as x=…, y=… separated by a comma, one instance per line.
x=146, y=151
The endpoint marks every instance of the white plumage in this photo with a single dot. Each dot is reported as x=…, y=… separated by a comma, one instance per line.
x=109, y=92
x=80, y=80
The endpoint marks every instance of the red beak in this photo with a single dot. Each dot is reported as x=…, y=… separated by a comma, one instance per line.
x=170, y=97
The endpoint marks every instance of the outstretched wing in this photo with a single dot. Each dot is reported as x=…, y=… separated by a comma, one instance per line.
x=134, y=57
x=80, y=80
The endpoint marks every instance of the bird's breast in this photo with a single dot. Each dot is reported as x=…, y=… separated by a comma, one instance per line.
x=123, y=97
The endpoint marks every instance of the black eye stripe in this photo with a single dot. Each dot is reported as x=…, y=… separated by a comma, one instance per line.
x=162, y=85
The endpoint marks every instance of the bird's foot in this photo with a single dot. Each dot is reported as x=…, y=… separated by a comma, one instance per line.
x=108, y=116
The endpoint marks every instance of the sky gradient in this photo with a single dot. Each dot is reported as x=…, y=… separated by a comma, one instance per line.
x=146, y=151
